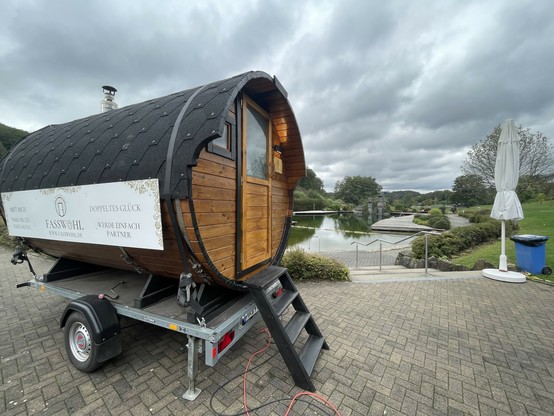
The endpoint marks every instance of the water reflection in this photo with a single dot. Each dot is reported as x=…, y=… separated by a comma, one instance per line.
x=350, y=224
x=336, y=233
x=304, y=229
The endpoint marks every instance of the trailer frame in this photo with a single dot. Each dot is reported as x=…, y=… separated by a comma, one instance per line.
x=214, y=337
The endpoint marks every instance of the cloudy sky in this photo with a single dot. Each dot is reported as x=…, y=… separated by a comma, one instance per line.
x=397, y=90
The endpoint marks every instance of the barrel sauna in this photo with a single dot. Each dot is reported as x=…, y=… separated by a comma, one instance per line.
x=226, y=157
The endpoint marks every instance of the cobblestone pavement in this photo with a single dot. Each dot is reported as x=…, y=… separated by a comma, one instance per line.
x=443, y=347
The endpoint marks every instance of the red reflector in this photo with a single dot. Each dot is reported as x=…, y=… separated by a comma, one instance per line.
x=214, y=352
x=278, y=292
x=225, y=341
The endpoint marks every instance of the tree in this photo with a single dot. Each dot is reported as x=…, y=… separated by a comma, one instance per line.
x=529, y=187
x=309, y=193
x=356, y=189
x=535, y=156
x=404, y=199
x=8, y=137
x=311, y=181
x=439, y=197
x=471, y=190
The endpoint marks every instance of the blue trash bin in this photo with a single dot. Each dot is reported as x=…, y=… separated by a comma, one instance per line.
x=531, y=253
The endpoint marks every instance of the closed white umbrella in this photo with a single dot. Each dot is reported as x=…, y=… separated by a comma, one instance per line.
x=506, y=174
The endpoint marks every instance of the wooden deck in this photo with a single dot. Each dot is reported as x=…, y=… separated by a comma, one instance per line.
x=399, y=224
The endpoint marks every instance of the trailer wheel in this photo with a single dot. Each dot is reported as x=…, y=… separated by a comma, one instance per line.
x=79, y=344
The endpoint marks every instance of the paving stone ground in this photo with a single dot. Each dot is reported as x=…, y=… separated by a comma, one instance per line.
x=437, y=347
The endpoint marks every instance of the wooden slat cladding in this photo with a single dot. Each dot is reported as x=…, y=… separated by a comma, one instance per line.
x=214, y=196
x=102, y=255
x=285, y=128
x=280, y=200
x=280, y=211
x=210, y=188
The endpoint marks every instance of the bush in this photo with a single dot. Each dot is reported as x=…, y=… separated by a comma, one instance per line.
x=434, y=220
x=479, y=219
x=471, y=213
x=307, y=266
x=435, y=211
x=421, y=219
x=477, y=216
x=440, y=222
x=457, y=240
x=337, y=205
x=308, y=204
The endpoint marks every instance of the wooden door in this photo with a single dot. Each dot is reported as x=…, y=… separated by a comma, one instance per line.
x=256, y=185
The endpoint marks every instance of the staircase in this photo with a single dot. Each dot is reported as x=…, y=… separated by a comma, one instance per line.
x=272, y=302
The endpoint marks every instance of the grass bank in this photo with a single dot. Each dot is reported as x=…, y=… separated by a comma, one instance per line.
x=539, y=220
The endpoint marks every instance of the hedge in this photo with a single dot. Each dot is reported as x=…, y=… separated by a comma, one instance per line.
x=307, y=266
x=440, y=222
x=457, y=240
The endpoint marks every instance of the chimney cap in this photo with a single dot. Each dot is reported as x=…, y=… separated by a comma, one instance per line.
x=110, y=89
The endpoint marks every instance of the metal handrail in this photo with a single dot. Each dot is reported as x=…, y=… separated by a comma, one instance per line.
x=381, y=241
x=310, y=243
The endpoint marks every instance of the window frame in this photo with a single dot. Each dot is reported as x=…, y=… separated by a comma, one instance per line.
x=230, y=151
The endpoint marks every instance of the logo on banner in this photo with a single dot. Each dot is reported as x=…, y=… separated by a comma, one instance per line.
x=61, y=208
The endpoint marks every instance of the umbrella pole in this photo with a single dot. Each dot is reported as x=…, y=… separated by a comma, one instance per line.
x=503, y=262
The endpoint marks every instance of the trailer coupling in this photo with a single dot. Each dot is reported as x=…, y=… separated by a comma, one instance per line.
x=19, y=256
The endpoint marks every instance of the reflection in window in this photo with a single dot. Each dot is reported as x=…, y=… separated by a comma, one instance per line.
x=224, y=145
x=257, y=139
x=224, y=140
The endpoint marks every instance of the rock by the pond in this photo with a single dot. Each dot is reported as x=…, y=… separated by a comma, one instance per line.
x=406, y=259
x=482, y=264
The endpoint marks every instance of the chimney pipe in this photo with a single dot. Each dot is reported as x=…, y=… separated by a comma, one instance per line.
x=108, y=103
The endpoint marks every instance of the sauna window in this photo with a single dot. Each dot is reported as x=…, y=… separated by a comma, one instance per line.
x=257, y=126
x=223, y=146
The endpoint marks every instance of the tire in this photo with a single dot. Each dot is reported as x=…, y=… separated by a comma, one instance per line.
x=547, y=270
x=79, y=344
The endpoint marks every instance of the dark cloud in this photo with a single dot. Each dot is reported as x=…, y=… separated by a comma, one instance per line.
x=395, y=90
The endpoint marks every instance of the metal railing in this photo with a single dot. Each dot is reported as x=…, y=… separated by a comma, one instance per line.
x=381, y=241
x=310, y=243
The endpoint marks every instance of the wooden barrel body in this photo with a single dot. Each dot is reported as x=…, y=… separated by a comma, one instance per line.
x=225, y=156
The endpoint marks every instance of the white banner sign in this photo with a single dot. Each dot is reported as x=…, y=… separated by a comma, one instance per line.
x=123, y=214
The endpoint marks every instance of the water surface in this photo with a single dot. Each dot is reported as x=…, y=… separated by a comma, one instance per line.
x=338, y=232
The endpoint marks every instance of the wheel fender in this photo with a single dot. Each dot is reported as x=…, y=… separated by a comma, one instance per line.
x=103, y=320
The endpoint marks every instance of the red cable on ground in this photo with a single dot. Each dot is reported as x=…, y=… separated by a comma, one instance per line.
x=302, y=393
x=307, y=393
x=248, y=365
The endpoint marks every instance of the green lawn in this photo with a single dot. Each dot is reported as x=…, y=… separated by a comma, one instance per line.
x=539, y=220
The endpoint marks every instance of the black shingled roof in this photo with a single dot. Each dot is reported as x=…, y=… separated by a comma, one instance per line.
x=129, y=143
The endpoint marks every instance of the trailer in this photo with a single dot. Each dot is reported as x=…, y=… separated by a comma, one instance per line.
x=175, y=212
x=99, y=296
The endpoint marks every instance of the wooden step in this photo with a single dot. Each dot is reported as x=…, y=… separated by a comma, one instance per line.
x=264, y=279
x=310, y=352
x=300, y=365
x=283, y=301
x=297, y=323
